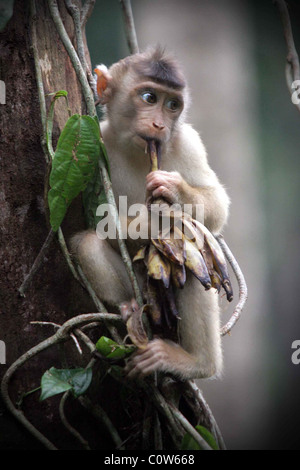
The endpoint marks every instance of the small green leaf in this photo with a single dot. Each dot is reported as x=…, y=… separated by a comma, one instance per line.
x=189, y=443
x=112, y=350
x=55, y=381
x=58, y=94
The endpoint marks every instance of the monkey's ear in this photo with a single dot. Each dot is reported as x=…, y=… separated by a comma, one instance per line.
x=103, y=79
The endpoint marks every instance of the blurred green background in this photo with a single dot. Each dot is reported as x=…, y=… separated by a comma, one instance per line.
x=234, y=54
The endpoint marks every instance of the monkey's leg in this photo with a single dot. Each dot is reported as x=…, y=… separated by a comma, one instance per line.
x=199, y=327
x=199, y=354
x=103, y=267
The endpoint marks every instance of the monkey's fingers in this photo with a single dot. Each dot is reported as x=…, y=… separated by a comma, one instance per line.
x=137, y=366
x=161, y=208
x=165, y=193
x=142, y=369
x=145, y=362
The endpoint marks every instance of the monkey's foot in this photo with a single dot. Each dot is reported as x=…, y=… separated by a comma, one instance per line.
x=155, y=356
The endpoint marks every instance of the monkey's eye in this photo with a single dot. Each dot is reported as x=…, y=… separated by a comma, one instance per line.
x=149, y=97
x=173, y=104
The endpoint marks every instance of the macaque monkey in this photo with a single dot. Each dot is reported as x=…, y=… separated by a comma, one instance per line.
x=146, y=98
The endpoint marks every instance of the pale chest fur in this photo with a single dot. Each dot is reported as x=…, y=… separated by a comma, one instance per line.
x=128, y=176
x=186, y=155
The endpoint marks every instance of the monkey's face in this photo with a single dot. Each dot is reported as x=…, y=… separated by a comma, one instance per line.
x=148, y=111
x=157, y=111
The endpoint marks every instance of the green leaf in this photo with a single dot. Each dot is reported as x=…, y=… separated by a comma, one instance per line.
x=81, y=381
x=112, y=350
x=94, y=194
x=92, y=197
x=75, y=162
x=55, y=381
x=58, y=94
x=189, y=443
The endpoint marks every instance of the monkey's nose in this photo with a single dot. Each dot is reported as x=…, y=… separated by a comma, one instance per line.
x=158, y=126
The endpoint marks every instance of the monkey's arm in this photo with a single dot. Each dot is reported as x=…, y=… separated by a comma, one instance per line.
x=193, y=181
x=213, y=199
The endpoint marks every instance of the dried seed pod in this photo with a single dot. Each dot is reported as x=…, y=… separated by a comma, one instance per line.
x=159, y=267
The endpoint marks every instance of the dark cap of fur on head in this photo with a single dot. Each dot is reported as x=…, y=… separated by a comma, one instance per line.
x=157, y=66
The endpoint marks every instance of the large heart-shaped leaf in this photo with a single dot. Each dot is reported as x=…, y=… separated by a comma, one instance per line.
x=75, y=162
x=55, y=381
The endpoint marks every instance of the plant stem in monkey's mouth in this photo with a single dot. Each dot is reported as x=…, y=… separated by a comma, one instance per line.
x=154, y=150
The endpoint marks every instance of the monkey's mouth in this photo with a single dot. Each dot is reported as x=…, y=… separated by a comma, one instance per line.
x=150, y=141
x=147, y=138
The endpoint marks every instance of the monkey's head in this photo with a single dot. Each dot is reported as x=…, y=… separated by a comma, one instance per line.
x=145, y=95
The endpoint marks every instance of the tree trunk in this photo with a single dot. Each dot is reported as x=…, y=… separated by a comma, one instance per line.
x=53, y=294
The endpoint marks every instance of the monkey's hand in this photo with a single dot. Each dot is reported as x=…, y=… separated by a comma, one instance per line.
x=159, y=354
x=165, y=184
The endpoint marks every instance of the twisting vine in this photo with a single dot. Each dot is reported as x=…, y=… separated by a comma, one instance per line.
x=176, y=422
x=292, y=69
